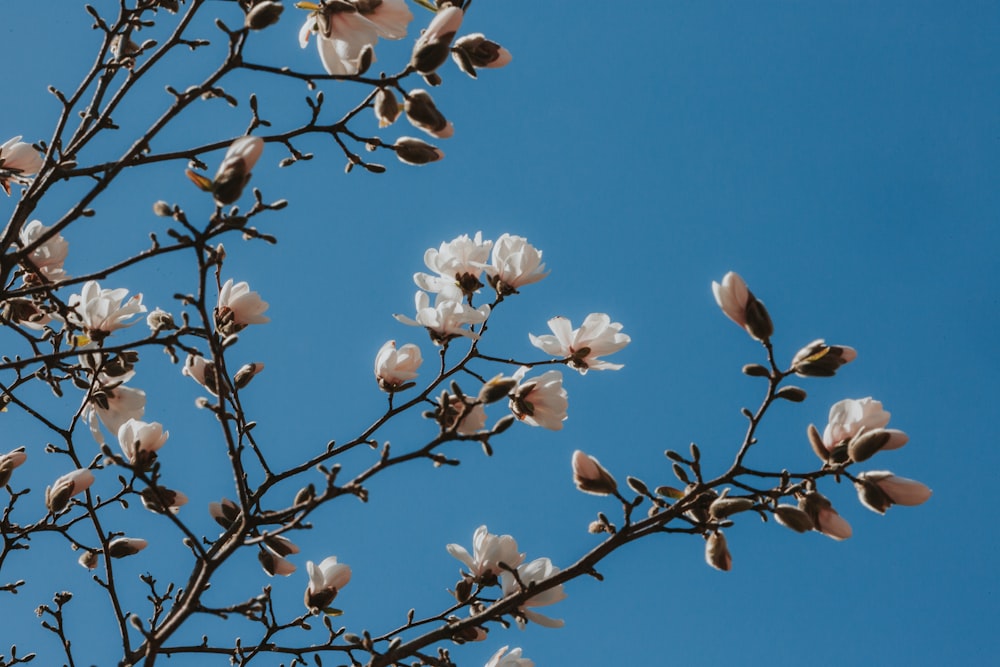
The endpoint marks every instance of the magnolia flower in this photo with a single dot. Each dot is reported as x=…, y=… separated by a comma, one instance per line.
x=238, y=307
x=225, y=512
x=825, y=519
x=139, y=441
x=859, y=425
x=48, y=257
x=597, y=336
x=57, y=496
x=126, y=546
x=458, y=265
x=878, y=490
x=17, y=160
x=274, y=564
x=817, y=359
x=540, y=401
x=325, y=581
x=529, y=573
x=203, y=372
x=446, y=319
x=160, y=320
x=433, y=46
x=113, y=407
x=101, y=311
x=488, y=552
x=515, y=263
x=591, y=477
x=468, y=413
x=28, y=314
x=347, y=28
x=394, y=368
x=512, y=659
x=740, y=305
x=474, y=51
x=8, y=462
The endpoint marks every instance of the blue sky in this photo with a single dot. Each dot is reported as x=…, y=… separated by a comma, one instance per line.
x=843, y=157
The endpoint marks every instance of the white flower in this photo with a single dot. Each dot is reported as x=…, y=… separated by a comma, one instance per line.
x=140, y=440
x=465, y=411
x=46, y=259
x=515, y=263
x=880, y=489
x=535, y=572
x=596, y=337
x=488, y=552
x=325, y=581
x=740, y=305
x=238, y=307
x=17, y=160
x=113, y=407
x=101, y=311
x=512, y=659
x=345, y=28
x=458, y=265
x=540, y=401
x=57, y=496
x=851, y=418
x=394, y=368
x=446, y=319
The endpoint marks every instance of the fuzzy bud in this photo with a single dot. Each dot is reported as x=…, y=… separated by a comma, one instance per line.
x=591, y=477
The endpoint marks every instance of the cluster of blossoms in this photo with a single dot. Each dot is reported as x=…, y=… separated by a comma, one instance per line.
x=495, y=561
x=460, y=268
x=18, y=160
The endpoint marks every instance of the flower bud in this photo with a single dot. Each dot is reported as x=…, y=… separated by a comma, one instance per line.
x=126, y=546
x=416, y=152
x=758, y=320
x=225, y=513
x=434, y=45
x=58, y=495
x=591, y=477
x=817, y=359
x=497, y=389
x=717, y=552
x=790, y=393
x=816, y=442
x=263, y=14
x=878, y=490
x=162, y=209
x=161, y=500
x=424, y=114
x=274, y=565
x=8, y=462
x=867, y=444
x=247, y=373
x=386, y=107
x=794, y=518
x=475, y=51
x=89, y=559
x=724, y=507
x=825, y=519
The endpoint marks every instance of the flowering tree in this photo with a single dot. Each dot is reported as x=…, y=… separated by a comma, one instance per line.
x=77, y=348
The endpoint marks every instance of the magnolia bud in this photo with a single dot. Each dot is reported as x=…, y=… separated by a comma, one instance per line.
x=126, y=546
x=162, y=209
x=246, y=373
x=475, y=51
x=591, y=477
x=58, y=495
x=434, y=45
x=422, y=112
x=225, y=513
x=416, y=152
x=816, y=442
x=794, y=518
x=717, y=552
x=496, y=389
x=89, y=559
x=758, y=320
x=817, y=359
x=867, y=444
x=723, y=507
x=386, y=107
x=263, y=14
x=8, y=462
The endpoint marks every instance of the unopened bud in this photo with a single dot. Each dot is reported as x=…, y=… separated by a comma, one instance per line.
x=424, y=114
x=463, y=589
x=475, y=51
x=386, y=107
x=758, y=320
x=591, y=477
x=816, y=442
x=723, y=507
x=794, y=518
x=817, y=359
x=225, y=512
x=163, y=209
x=304, y=495
x=8, y=462
x=867, y=444
x=496, y=389
x=433, y=47
x=264, y=14
x=246, y=373
x=126, y=546
x=717, y=552
x=790, y=393
x=89, y=559
x=416, y=152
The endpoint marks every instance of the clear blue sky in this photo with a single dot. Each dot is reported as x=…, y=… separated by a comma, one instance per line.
x=843, y=157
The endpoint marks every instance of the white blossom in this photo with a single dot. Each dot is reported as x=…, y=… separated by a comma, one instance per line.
x=740, y=305
x=582, y=347
x=488, y=552
x=395, y=367
x=17, y=160
x=325, y=581
x=48, y=257
x=512, y=659
x=534, y=572
x=447, y=319
x=515, y=263
x=202, y=371
x=458, y=264
x=101, y=311
x=113, y=407
x=344, y=29
x=139, y=440
x=850, y=418
x=540, y=401
x=239, y=307
x=58, y=495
